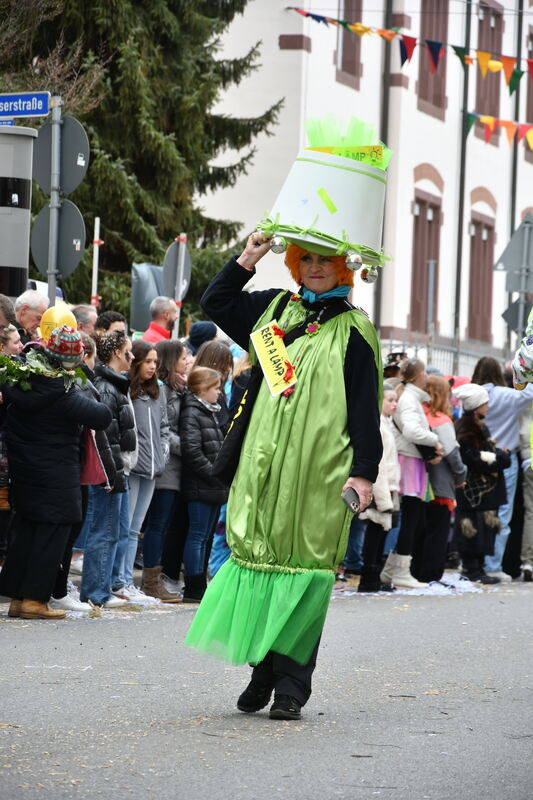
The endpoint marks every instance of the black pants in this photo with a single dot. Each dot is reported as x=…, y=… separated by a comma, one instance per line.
x=34, y=556
x=373, y=544
x=174, y=543
x=5, y=533
x=285, y=675
x=413, y=518
x=60, y=585
x=431, y=544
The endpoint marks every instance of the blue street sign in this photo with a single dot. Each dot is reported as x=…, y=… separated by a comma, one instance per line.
x=29, y=104
x=6, y=122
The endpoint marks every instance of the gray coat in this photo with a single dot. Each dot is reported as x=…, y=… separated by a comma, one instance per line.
x=171, y=477
x=450, y=472
x=152, y=435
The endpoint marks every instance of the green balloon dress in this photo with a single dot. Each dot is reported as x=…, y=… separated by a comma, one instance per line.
x=286, y=526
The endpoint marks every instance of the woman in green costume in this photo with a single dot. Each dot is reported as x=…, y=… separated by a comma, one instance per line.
x=287, y=526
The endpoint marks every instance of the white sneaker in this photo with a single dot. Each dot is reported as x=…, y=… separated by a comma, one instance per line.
x=76, y=566
x=171, y=586
x=503, y=576
x=136, y=595
x=68, y=603
x=73, y=590
x=114, y=602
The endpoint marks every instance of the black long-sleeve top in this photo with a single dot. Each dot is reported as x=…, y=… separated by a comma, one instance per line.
x=237, y=311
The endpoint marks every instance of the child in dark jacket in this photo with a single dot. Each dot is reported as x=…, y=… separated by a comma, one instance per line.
x=476, y=520
x=201, y=438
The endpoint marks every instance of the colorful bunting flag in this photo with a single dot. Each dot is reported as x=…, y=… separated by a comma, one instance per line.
x=407, y=45
x=510, y=128
x=470, y=119
x=522, y=130
x=461, y=53
x=515, y=80
x=318, y=18
x=434, y=50
x=509, y=64
x=360, y=29
x=483, y=59
x=385, y=34
x=494, y=65
x=530, y=67
x=490, y=124
x=529, y=137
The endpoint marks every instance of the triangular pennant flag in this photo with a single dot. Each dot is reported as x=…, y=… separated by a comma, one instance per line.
x=522, y=130
x=301, y=11
x=516, y=77
x=434, y=50
x=490, y=123
x=469, y=60
x=407, y=45
x=345, y=25
x=494, y=65
x=360, y=29
x=529, y=137
x=318, y=18
x=508, y=67
x=461, y=53
x=332, y=21
x=386, y=34
x=530, y=67
x=510, y=128
x=483, y=59
x=470, y=119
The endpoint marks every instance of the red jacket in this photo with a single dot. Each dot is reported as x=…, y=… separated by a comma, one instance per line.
x=155, y=333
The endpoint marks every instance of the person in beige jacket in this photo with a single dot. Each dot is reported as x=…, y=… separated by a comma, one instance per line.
x=415, y=442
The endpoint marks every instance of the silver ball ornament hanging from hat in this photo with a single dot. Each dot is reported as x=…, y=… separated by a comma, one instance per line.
x=353, y=260
x=369, y=274
x=278, y=244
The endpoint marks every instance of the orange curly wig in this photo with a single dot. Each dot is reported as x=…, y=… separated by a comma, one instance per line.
x=294, y=253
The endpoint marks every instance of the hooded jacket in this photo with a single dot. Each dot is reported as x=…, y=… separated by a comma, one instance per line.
x=201, y=439
x=113, y=389
x=171, y=476
x=43, y=440
x=410, y=424
x=152, y=434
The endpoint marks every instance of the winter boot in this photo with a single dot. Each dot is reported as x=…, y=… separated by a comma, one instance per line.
x=370, y=579
x=396, y=571
x=195, y=586
x=33, y=609
x=14, y=608
x=152, y=585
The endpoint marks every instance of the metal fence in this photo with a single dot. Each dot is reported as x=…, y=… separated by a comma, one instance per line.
x=440, y=355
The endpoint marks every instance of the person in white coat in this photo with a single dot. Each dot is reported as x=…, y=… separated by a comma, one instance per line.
x=415, y=443
x=385, y=505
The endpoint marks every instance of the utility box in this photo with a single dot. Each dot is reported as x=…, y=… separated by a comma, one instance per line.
x=16, y=156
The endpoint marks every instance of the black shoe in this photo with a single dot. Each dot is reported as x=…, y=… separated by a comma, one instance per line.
x=488, y=579
x=370, y=581
x=194, y=590
x=255, y=697
x=453, y=560
x=352, y=573
x=285, y=707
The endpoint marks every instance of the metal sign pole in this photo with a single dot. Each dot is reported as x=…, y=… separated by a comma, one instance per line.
x=55, y=201
x=97, y=243
x=182, y=249
x=524, y=278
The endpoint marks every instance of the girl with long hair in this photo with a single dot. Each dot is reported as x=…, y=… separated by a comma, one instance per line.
x=171, y=366
x=149, y=406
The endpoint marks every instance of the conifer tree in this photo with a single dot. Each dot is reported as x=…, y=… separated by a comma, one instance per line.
x=154, y=133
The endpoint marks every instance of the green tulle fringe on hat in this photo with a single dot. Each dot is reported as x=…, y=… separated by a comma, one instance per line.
x=246, y=612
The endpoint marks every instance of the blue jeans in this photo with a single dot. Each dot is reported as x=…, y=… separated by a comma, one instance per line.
x=100, y=547
x=79, y=544
x=160, y=513
x=202, y=521
x=505, y=512
x=141, y=491
x=354, y=552
x=118, y=579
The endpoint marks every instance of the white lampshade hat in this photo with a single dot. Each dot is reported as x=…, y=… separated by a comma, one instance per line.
x=333, y=198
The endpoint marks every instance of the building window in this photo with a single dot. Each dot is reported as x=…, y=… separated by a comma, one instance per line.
x=481, y=278
x=431, y=87
x=490, y=35
x=348, y=57
x=426, y=244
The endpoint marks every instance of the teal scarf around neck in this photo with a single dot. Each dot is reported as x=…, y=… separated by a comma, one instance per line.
x=339, y=291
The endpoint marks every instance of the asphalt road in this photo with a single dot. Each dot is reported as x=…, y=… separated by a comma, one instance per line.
x=414, y=698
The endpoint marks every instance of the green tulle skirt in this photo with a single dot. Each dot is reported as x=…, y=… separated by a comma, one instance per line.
x=247, y=612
